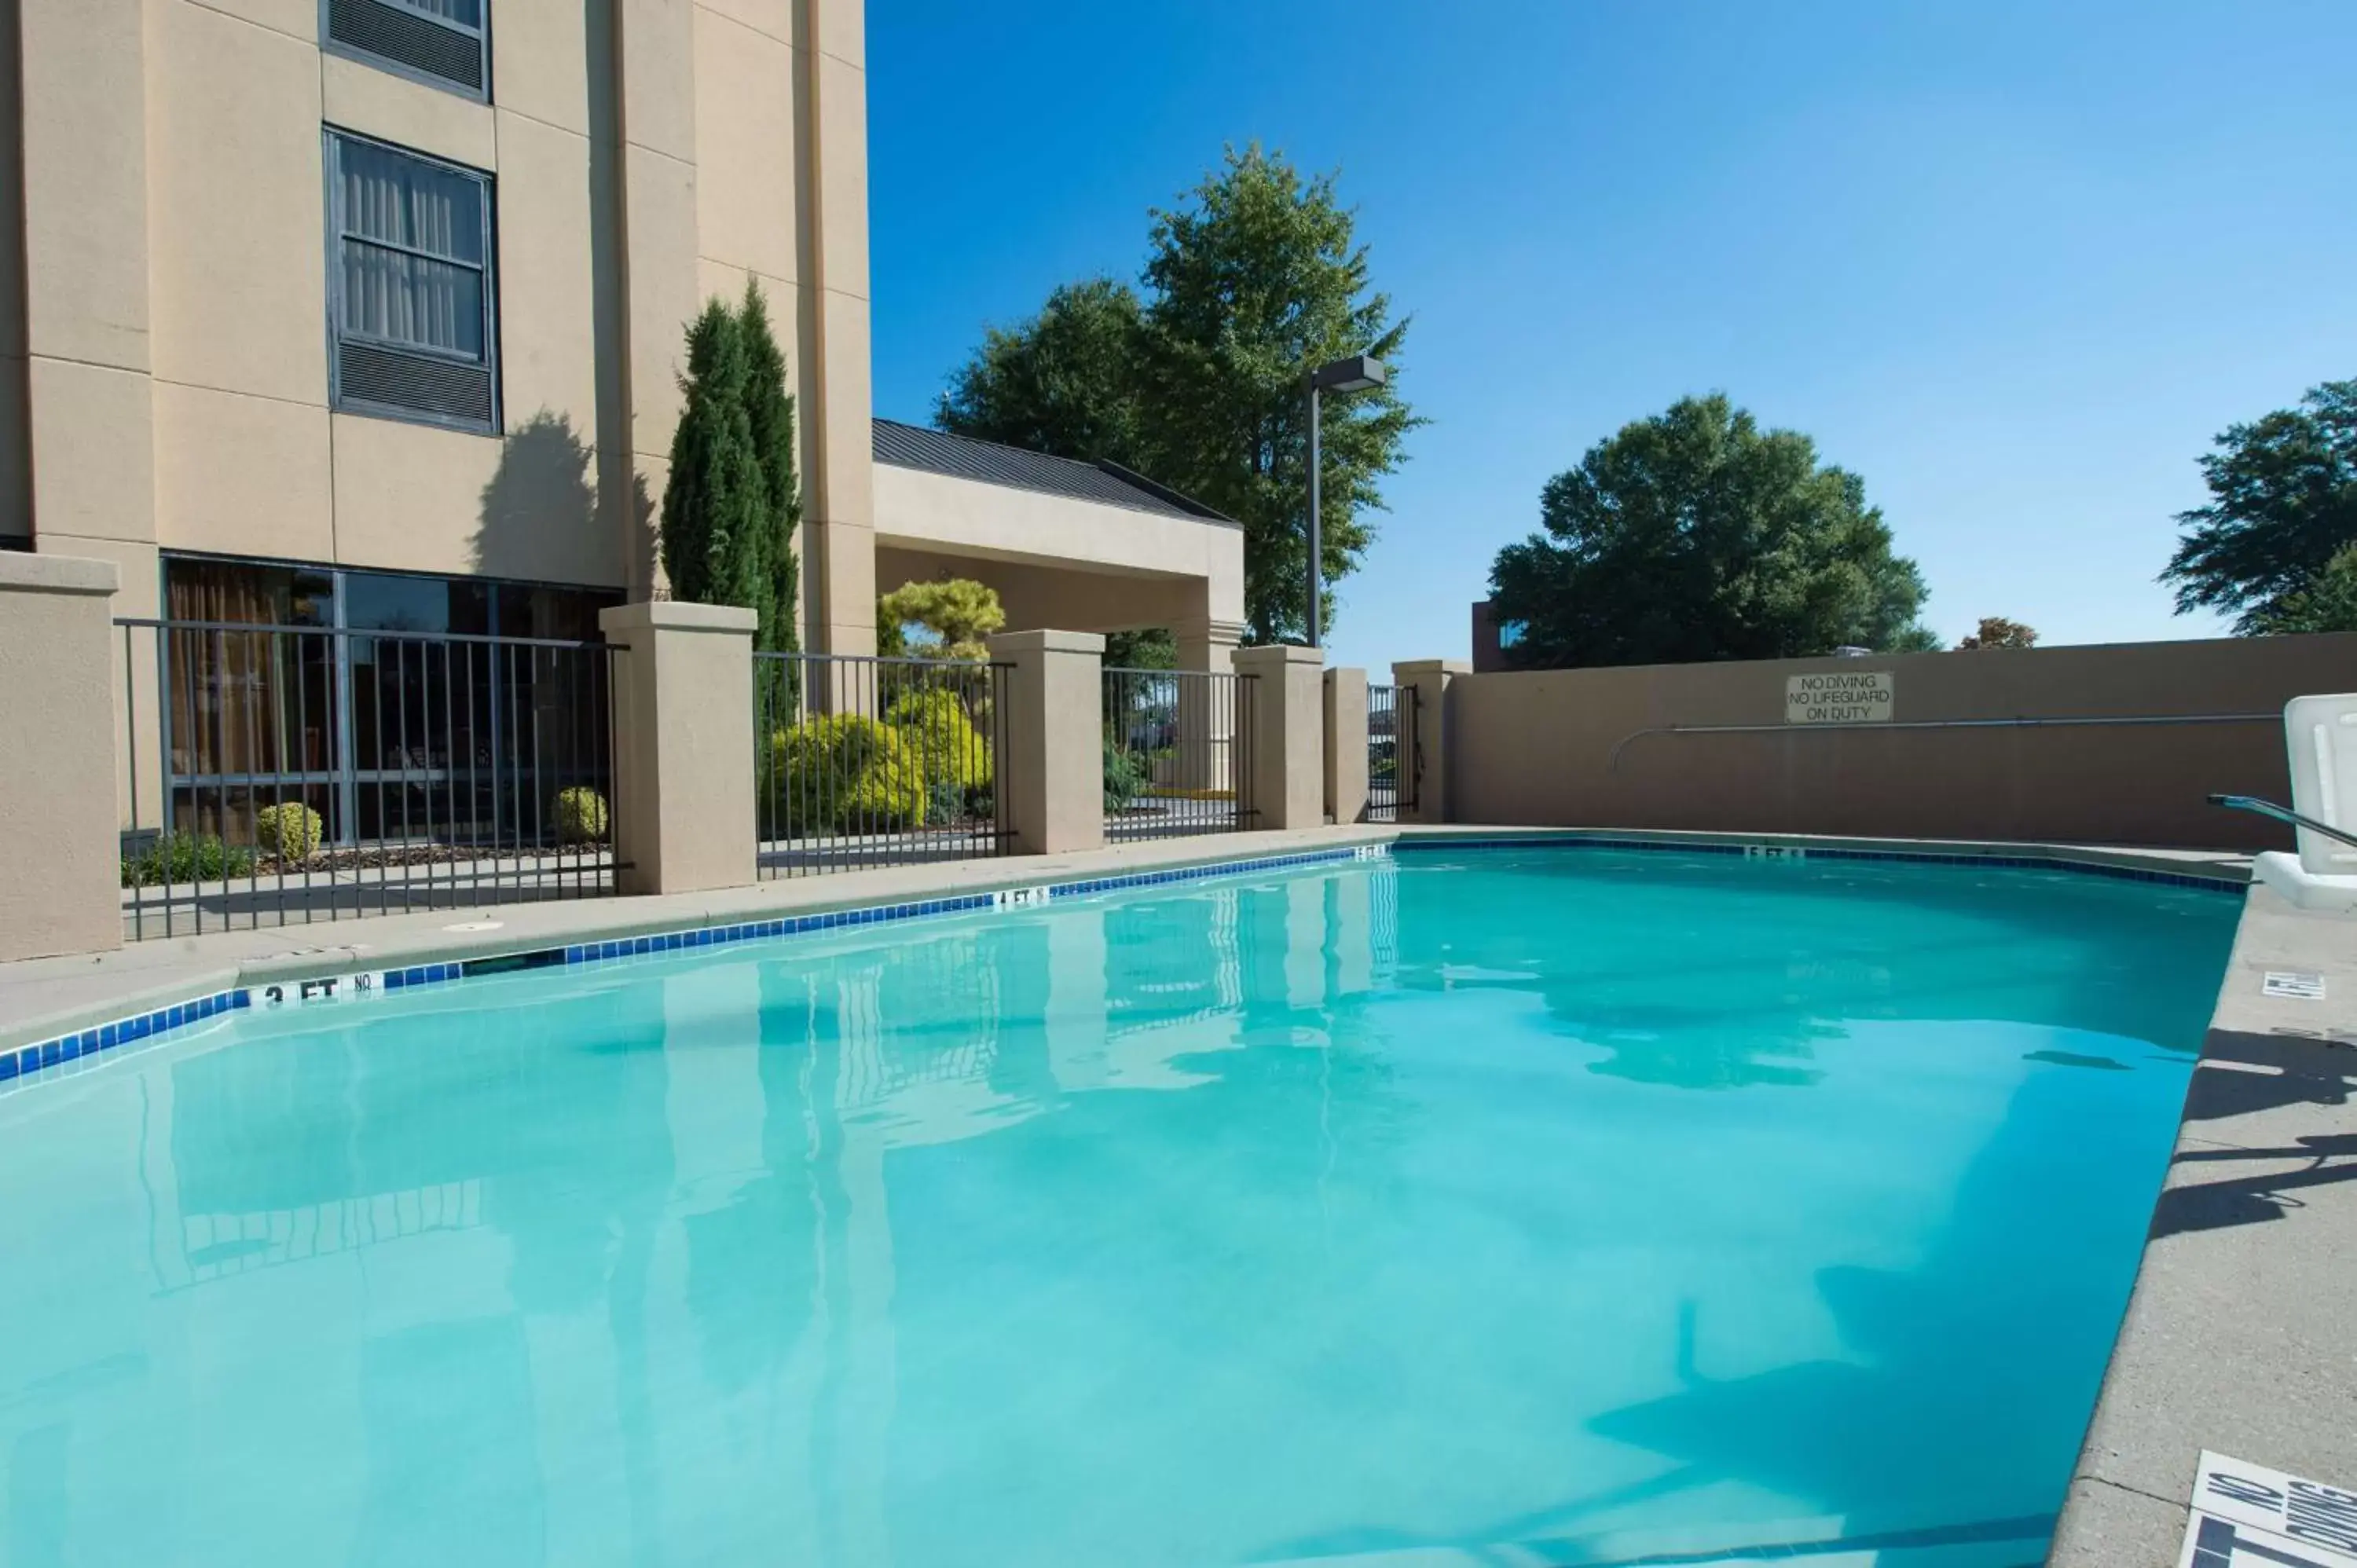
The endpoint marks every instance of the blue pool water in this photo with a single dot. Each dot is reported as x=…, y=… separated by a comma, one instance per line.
x=1601, y=1204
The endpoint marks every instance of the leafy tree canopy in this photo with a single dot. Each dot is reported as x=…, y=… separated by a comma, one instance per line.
x=2329, y=603
x=1697, y=535
x=1253, y=280
x=1996, y=631
x=954, y=619
x=2283, y=504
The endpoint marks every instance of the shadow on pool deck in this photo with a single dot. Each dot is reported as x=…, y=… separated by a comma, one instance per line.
x=2244, y=1075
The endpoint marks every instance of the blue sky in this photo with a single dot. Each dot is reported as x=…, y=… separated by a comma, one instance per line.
x=2015, y=263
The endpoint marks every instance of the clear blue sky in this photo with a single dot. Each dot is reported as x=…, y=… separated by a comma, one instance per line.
x=2013, y=262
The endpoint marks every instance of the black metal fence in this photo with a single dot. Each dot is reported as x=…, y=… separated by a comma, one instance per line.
x=285, y=774
x=1392, y=754
x=1178, y=753
x=864, y=762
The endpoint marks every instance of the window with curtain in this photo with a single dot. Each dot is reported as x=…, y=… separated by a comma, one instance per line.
x=439, y=40
x=412, y=251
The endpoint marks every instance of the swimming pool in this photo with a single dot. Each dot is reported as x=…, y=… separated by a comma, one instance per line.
x=1607, y=1203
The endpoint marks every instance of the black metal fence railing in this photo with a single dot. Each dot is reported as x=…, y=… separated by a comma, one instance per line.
x=278, y=775
x=1390, y=751
x=870, y=761
x=1178, y=753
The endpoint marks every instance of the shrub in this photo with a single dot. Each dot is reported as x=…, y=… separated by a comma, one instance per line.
x=845, y=773
x=289, y=831
x=581, y=815
x=944, y=804
x=938, y=731
x=1125, y=776
x=186, y=857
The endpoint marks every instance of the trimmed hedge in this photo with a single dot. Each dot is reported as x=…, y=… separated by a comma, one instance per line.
x=289, y=831
x=845, y=773
x=581, y=815
x=186, y=857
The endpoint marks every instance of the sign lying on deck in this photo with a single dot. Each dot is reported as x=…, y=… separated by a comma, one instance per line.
x=2247, y=1516
x=2300, y=987
x=1839, y=697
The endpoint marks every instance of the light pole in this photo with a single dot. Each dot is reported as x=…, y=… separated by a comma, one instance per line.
x=1357, y=373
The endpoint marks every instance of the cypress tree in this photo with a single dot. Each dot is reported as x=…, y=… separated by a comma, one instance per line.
x=771, y=410
x=715, y=506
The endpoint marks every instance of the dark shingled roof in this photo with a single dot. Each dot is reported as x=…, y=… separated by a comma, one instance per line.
x=961, y=457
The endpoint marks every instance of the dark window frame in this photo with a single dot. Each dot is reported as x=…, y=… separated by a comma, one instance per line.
x=331, y=137
x=330, y=44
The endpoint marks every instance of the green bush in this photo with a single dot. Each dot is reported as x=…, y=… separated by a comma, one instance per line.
x=581, y=815
x=289, y=831
x=941, y=735
x=845, y=773
x=1125, y=776
x=186, y=857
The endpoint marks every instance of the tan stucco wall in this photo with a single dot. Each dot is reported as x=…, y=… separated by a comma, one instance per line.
x=1536, y=748
x=163, y=351
x=922, y=513
x=1051, y=776
x=57, y=833
x=683, y=804
x=1287, y=712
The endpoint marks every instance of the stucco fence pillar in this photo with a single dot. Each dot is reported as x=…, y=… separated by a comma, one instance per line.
x=1051, y=778
x=1346, y=745
x=1424, y=764
x=60, y=854
x=1287, y=713
x=1204, y=756
x=684, y=775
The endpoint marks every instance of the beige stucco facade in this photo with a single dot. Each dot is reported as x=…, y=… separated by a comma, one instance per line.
x=1064, y=562
x=167, y=300
x=165, y=380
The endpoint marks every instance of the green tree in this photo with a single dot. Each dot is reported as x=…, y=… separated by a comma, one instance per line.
x=716, y=505
x=732, y=500
x=2283, y=504
x=769, y=413
x=1064, y=382
x=1253, y=280
x=958, y=613
x=2329, y=603
x=1996, y=631
x=1697, y=535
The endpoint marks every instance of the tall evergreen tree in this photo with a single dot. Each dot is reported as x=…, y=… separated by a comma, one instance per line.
x=1255, y=279
x=769, y=409
x=716, y=504
x=2283, y=506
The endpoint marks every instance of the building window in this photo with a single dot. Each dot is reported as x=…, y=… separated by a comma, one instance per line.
x=1512, y=632
x=441, y=41
x=373, y=697
x=410, y=259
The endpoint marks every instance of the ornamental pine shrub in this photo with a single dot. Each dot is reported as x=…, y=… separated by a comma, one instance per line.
x=935, y=727
x=845, y=773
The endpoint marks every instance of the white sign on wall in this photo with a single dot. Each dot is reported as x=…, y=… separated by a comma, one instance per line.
x=1839, y=697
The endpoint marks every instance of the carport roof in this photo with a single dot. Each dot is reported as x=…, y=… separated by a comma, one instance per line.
x=963, y=458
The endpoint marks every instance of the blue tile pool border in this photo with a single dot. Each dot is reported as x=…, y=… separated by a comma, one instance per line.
x=25, y=1061
x=1828, y=852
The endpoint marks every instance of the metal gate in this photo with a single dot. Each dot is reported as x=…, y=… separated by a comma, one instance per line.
x=1392, y=758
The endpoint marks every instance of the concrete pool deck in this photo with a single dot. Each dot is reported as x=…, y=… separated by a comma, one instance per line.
x=2242, y=1334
